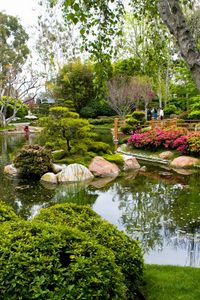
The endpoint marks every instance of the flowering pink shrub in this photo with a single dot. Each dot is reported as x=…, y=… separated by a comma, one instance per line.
x=167, y=138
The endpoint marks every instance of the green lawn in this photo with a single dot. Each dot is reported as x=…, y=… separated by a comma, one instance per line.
x=172, y=283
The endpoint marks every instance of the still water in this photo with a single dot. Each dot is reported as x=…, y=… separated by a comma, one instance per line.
x=159, y=207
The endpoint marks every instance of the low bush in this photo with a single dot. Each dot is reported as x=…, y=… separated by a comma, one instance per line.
x=167, y=138
x=98, y=147
x=58, y=154
x=139, y=116
x=171, y=109
x=7, y=213
x=195, y=114
x=101, y=121
x=194, y=143
x=127, y=253
x=33, y=161
x=128, y=129
x=44, y=261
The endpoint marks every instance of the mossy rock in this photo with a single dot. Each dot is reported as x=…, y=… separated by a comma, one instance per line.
x=114, y=158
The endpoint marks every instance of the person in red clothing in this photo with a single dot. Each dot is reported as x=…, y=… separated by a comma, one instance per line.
x=26, y=131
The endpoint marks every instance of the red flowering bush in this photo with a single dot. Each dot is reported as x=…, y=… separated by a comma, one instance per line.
x=167, y=138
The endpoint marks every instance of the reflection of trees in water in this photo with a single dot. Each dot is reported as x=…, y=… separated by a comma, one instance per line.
x=154, y=212
x=9, y=144
x=185, y=213
x=77, y=193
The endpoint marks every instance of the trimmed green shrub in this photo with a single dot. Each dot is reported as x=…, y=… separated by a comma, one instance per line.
x=139, y=116
x=7, y=213
x=33, y=161
x=101, y=121
x=127, y=253
x=43, y=261
x=88, y=112
x=98, y=147
x=58, y=154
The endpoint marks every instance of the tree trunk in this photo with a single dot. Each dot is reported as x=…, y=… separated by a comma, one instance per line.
x=172, y=15
x=2, y=120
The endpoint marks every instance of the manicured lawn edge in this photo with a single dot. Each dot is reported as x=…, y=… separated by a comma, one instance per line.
x=171, y=282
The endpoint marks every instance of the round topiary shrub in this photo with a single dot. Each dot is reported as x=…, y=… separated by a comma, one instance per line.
x=127, y=252
x=33, y=161
x=43, y=261
x=7, y=213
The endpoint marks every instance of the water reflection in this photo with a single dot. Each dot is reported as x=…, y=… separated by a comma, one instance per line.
x=158, y=207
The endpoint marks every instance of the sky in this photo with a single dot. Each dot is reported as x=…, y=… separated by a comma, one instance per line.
x=25, y=10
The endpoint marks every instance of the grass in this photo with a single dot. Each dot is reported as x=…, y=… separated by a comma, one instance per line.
x=171, y=282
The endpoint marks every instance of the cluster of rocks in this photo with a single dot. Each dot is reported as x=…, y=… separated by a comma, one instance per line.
x=76, y=172
x=100, y=167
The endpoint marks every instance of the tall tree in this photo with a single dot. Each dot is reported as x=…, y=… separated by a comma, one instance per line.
x=57, y=40
x=14, y=50
x=104, y=16
x=13, y=55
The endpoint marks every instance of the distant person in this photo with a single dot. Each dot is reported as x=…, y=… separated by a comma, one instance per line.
x=154, y=113
x=26, y=129
x=149, y=115
x=161, y=113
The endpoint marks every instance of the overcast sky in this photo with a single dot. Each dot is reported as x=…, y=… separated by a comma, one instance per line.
x=24, y=9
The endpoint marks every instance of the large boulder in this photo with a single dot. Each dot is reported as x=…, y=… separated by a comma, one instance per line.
x=101, y=167
x=130, y=163
x=184, y=162
x=10, y=169
x=49, y=177
x=74, y=172
x=166, y=155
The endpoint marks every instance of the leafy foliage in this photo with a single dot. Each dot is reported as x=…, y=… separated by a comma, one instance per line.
x=7, y=213
x=127, y=252
x=66, y=130
x=14, y=50
x=44, y=261
x=75, y=82
x=33, y=161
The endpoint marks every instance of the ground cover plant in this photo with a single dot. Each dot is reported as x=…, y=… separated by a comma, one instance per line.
x=171, y=138
x=68, y=252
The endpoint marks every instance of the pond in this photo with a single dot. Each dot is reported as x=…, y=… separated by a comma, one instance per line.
x=159, y=207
